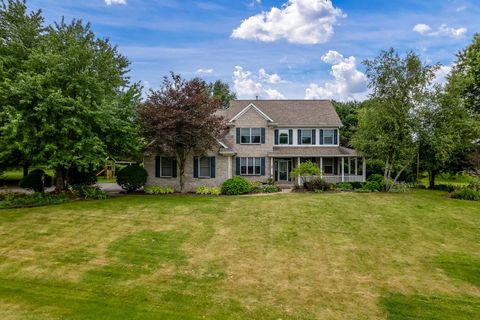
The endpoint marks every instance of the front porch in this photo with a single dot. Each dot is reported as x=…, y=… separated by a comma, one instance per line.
x=334, y=169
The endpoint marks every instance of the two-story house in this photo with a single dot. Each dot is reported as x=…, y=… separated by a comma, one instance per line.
x=267, y=139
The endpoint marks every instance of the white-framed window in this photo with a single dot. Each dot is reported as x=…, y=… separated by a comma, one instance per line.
x=283, y=136
x=250, y=135
x=204, y=167
x=306, y=136
x=166, y=167
x=328, y=165
x=250, y=166
x=328, y=136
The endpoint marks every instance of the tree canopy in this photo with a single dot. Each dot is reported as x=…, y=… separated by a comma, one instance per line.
x=179, y=120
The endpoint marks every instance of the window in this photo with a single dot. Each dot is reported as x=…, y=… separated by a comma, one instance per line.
x=166, y=167
x=250, y=166
x=204, y=164
x=250, y=135
x=283, y=136
x=328, y=165
x=306, y=136
x=328, y=136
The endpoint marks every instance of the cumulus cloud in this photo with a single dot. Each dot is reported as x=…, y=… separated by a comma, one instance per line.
x=442, y=30
x=297, y=21
x=249, y=85
x=441, y=74
x=349, y=83
x=112, y=2
x=269, y=78
x=205, y=71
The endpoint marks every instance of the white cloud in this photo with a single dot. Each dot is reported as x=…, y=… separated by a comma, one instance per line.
x=248, y=85
x=205, y=71
x=441, y=75
x=297, y=21
x=442, y=30
x=422, y=28
x=349, y=83
x=112, y=2
x=269, y=78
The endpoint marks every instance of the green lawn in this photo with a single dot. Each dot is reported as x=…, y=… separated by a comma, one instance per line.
x=293, y=256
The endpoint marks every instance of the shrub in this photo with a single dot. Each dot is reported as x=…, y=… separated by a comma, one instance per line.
x=37, y=180
x=304, y=170
x=356, y=185
x=89, y=192
x=378, y=178
x=269, y=188
x=159, y=190
x=235, y=186
x=77, y=177
x=317, y=184
x=207, y=190
x=132, y=178
x=256, y=187
x=400, y=188
x=344, y=186
x=372, y=186
x=474, y=185
x=445, y=187
x=33, y=200
x=467, y=194
x=10, y=194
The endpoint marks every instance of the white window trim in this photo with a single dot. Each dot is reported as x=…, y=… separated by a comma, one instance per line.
x=311, y=137
x=333, y=137
x=161, y=168
x=250, y=129
x=200, y=167
x=288, y=137
x=246, y=165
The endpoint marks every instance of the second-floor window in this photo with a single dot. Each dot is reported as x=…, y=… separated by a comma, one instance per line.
x=328, y=136
x=306, y=136
x=283, y=136
x=250, y=135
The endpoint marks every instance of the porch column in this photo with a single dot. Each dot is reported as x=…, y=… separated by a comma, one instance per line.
x=298, y=179
x=356, y=166
x=364, y=167
x=271, y=168
x=321, y=167
x=343, y=169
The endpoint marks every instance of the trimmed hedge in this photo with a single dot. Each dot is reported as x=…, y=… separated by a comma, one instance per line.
x=132, y=178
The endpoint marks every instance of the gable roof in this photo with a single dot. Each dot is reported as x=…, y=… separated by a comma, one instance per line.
x=251, y=106
x=287, y=112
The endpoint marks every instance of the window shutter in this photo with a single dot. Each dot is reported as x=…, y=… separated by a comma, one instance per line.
x=195, y=167
x=157, y=166
x=299, y=137
x=276, y=136
x=174, y=168
x=237, y=168
x=335, y=136
x=321, y=136
x=262, y=135
x=238, y=135
x=262, y=166
x=314, y=136
x=290, y=136
x=212, y=167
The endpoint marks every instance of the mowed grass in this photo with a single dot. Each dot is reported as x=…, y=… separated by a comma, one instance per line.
x=291, y=256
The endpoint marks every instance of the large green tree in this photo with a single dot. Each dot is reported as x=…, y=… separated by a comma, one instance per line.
x=387, y=123
x=221, y=91
x=348, y=113
x=20, y=33
x=77, y=106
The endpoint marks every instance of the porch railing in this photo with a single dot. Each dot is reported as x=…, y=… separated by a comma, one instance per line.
x=338, y=178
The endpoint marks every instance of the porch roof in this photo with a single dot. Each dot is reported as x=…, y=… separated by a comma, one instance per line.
x=313, y=152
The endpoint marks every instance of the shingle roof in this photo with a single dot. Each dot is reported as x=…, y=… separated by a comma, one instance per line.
x=312, y=151
x=290, y=112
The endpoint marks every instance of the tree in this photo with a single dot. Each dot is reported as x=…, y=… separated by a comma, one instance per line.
x=387, y=123
x=305, y=170
x=77, y=106
x=348, y=113
x=179, y=120
x=221, y=91
x=466, y=75
x=20, y=33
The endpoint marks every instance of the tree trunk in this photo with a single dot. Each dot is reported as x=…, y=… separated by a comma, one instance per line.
x=181, y=159
x=386, y=174
x=60, y=182
x=431, y=179
x=25, y=169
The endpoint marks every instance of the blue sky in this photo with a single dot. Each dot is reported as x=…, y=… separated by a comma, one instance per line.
x=299, y=49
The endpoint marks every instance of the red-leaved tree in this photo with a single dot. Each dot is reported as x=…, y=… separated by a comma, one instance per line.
x=179, y=120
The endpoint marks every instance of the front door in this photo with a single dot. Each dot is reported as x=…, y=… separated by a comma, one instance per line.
x=283, y=170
